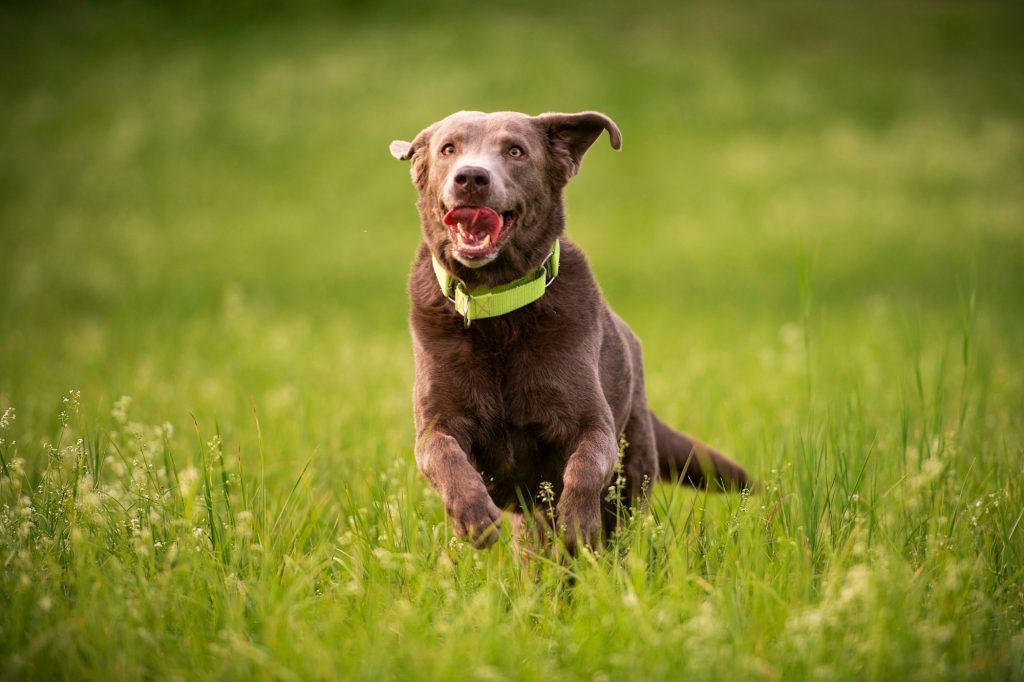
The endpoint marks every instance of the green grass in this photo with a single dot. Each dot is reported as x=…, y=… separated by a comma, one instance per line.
x=816, y=225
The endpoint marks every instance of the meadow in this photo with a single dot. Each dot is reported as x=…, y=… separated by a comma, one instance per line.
x=816, y=225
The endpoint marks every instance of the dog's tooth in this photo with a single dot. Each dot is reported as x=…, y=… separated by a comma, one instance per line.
x=486, y=240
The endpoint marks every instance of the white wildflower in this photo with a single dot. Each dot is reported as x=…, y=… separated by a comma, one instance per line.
x=705, y=630
x=243, y=523
x=142, y=541
x=120, y=410
x=70, y=405
x=86, y=497
x=856, y=585
x=115, y=464
x=187, y=480
x=930, y=471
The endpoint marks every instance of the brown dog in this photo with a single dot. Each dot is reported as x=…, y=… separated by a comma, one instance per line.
x=525, y=378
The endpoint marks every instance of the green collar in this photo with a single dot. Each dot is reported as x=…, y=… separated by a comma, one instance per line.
x=483, y=302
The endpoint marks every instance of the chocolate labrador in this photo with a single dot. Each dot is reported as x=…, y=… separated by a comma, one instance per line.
x=529, y=390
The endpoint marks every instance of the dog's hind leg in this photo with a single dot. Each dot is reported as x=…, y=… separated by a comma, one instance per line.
x=683, y=459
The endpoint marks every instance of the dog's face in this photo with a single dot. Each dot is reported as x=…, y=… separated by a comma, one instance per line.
x=490, y=185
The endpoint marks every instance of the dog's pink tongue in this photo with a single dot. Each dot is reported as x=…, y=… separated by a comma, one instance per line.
x=476, y=220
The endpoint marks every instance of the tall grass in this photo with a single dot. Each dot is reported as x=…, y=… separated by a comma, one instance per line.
x=884, y=544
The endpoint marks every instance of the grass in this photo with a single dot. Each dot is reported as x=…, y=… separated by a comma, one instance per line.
x=815, y=225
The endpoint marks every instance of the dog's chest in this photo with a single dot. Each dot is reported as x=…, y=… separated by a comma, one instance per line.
x=530, y=389
x=526, y=447
x=526, y=428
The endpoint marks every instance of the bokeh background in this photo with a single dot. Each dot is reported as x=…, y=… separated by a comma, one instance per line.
x=198, y=207
x=816, y=225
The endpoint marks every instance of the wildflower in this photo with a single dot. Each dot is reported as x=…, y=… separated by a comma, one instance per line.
x=115, y=464
x=120, y=410
x=17, y=469
x=142, y=539
x=704, y=629
x=87, y=498
x=243, y=523
x=70, y=405
x=856, y=585
x=931, y=468
x=187, y=480
x=547, y=496
x=235, y=584
x=7, y=417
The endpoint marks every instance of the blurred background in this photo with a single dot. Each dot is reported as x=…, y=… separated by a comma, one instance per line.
x=198, y=208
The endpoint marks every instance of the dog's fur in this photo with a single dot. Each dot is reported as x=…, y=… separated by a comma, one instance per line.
x=541, y=394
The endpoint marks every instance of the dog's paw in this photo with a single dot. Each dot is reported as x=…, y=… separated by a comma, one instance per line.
x=477, y=519
x=579, y=520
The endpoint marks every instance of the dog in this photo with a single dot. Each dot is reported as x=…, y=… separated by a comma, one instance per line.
x=528, y=387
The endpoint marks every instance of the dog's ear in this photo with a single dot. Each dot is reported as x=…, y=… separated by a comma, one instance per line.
x=572, y=134
x=401, y=150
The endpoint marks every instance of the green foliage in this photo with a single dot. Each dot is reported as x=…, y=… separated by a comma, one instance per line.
x=815, y=225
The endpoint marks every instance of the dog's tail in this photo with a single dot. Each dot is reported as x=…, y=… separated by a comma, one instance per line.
x=682, y=459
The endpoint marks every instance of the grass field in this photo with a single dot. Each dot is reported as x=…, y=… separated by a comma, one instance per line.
x=816, y=225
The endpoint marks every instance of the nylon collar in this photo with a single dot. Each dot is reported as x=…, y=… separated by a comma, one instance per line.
x=483, y=302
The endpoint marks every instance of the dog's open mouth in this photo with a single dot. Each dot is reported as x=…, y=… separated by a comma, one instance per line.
x=477, y=232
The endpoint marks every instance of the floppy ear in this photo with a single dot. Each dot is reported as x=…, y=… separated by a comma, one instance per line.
x=401, y=150
x=572, y=134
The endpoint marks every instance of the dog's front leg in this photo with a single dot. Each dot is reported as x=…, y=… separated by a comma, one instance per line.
x=587, y=474
x=475, y=516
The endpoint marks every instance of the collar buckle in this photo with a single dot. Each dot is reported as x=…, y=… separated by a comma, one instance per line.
x=550, y=269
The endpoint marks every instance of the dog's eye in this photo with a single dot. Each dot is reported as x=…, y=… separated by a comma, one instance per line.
x=448, y=149
x=515, y=151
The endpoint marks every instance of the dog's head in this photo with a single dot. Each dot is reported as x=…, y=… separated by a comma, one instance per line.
x=490, y=186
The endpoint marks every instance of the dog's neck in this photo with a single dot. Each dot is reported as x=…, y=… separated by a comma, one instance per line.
x=485, y=302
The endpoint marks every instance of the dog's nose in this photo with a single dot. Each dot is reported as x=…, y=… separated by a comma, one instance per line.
x=472, y=178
